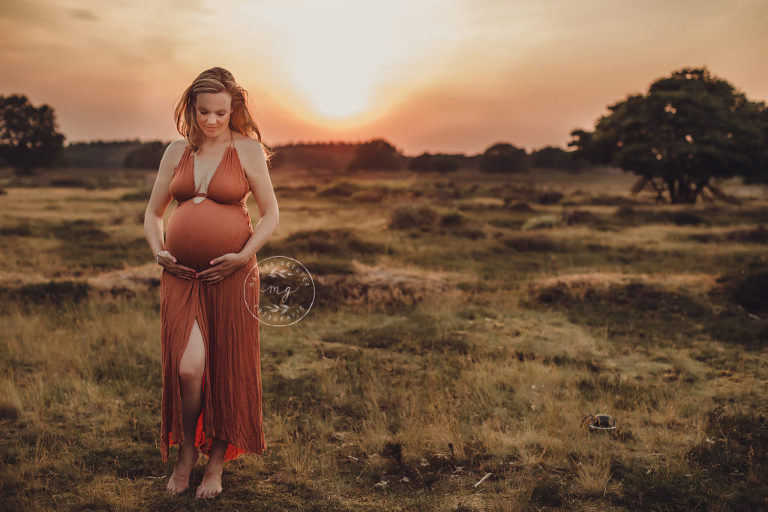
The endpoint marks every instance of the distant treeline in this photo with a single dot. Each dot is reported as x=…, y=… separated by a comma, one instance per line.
x=376, y=154
x=29, y=140
x=113, y=154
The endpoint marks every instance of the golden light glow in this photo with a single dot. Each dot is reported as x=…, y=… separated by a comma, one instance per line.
x=341, y=56
x=429, y=75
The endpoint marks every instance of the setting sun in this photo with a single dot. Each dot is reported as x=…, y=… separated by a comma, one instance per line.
x=343, y=60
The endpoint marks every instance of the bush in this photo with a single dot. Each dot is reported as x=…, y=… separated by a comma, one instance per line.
x=329, y=242
x=372, y=195
x=72, y=182
x=549, y=197
x=412, y=216
x=453, y=219
x=342, y=188
x=444, y=163
x=429, y=162
x=420, y=163
x=376, y=154
x=531, y=244
x=572, y=217
x=49, y=293
x=751, y=292
x=551, y=157
x=687, y=218
x=137, y=195
x=504, y=158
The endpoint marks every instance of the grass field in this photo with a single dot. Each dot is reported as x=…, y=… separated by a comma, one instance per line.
x=463, y=327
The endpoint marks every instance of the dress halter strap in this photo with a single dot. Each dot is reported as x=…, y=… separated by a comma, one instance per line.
x=231, y=139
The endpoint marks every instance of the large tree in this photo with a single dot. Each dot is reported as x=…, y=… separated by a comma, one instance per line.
x=686, y=130
x=28, y=136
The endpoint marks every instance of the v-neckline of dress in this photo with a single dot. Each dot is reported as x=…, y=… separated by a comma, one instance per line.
x=215, y=171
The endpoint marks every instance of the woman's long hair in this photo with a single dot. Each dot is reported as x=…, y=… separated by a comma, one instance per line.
x=216, y=80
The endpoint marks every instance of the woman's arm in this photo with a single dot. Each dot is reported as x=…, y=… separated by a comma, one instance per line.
x=255, y=164
x=161, y=196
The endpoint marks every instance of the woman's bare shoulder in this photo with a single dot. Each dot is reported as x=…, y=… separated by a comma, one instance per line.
x=245, y=139
x=240, y=136
x=173, y=153
x=176, y=148
x=178, y=144
x=251, y=154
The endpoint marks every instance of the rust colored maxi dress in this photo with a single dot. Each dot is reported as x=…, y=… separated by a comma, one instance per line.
x=197, y=233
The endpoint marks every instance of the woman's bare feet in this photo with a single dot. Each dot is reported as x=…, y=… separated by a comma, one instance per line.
x=211, y=484
x=179, y=481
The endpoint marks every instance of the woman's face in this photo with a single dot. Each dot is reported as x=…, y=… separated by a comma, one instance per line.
x=212, y=110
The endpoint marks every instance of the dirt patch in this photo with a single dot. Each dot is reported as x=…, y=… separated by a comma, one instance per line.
x=692, y=283
x=379, y=286
x=135, y=278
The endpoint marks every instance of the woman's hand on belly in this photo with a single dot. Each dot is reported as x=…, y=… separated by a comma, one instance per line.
x=168, y=261
x=222, y=266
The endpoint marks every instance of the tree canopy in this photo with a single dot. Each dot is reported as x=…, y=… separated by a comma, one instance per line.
x=552, y=157
x=688, y=129
x=28, y=136
x=503, y=157
x=376, y=154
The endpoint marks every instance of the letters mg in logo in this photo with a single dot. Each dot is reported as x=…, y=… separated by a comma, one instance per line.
x=279, y=291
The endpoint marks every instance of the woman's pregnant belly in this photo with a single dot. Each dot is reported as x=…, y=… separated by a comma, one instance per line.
x=198, y=233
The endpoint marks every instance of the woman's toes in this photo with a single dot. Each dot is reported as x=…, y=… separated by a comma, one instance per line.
x=204, y=491
x=175, y=488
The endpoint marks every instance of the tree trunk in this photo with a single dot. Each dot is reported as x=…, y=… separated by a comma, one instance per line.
x=685, y=193
x=672, y=190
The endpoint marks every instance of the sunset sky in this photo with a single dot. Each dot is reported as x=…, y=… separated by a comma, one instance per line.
x=427, y=75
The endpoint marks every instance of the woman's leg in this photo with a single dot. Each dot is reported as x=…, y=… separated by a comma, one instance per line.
x=191, y=369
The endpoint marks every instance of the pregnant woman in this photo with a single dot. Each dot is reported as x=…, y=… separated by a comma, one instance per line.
x=211, y=366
